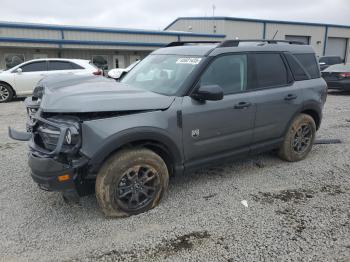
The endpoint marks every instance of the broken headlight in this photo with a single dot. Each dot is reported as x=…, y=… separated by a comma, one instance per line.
x=72, y=136
x=48, y=135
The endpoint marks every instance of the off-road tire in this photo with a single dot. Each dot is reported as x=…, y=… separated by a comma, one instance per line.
x=286, y=151
x=112, y=173
x=5, y=87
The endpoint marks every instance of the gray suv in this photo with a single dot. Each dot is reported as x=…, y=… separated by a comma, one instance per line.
x=185, y=106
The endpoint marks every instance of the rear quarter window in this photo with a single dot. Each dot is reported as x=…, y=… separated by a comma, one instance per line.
x=295, y=66
x=76, y=66
x=309, y=62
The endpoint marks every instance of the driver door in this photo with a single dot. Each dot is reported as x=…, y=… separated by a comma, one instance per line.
x=31, y=74
x=215, y=129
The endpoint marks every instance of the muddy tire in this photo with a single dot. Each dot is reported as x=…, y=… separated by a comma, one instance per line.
x=131, y=182
x=6, y=93
x=299, y=139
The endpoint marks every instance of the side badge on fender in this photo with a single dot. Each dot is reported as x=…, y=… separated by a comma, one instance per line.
x=195, y=133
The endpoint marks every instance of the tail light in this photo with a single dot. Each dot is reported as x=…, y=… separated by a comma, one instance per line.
x=98, y=72
x=345, y=75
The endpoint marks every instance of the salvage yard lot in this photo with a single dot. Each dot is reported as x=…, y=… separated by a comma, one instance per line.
x=296, y=211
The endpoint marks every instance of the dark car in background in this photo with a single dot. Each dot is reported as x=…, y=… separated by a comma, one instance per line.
x=337, y=77
x=326, y=61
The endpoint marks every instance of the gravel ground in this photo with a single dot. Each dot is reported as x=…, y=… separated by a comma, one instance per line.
x=294, y=212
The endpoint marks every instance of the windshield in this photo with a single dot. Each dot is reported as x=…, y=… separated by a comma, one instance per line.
x=162, y=74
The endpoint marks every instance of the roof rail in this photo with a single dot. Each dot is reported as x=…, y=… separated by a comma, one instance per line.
x=232, y=43
x=182, y=43
x=235, y=42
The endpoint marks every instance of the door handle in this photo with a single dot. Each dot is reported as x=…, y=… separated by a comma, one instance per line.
x=290, y=97
x=242, y=105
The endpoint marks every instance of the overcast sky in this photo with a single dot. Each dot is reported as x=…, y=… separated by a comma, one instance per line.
x=156, y=14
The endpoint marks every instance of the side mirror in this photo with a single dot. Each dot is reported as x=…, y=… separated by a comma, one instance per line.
x=208, y=92
x=19, y=70
x=115, y=73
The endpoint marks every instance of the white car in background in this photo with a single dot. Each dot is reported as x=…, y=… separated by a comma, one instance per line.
x=22, y=79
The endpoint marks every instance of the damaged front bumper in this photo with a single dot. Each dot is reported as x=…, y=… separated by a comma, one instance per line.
x=51, y=169
x=46, y=172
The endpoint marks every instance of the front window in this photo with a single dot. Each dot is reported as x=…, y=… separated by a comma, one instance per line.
x=229, y=72
x=162, y=74
x=34, y=67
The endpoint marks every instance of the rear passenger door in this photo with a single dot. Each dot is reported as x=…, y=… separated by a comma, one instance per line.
x=212, y=129
x=277, y=98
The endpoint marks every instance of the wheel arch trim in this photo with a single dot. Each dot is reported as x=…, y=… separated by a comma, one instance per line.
x=134, y=135
x=314, y=110
x=306, y=107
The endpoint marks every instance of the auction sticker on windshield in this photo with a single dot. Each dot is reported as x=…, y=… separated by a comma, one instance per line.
x=189, y=60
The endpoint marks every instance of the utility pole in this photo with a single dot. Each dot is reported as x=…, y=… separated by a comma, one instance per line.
x=214, y=25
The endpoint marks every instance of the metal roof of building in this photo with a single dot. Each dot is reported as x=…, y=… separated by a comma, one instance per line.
x=254, y=20
x=101, y=29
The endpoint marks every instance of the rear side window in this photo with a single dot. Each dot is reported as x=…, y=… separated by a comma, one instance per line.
x=270, y=70
x=310, y=64
x=229, y=72
x=63, y=65
x=59, y=65
x=296, y=68
x=34, y=67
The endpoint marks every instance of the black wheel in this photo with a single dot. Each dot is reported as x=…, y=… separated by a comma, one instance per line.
x=299, y=139
x=6, y=93
x=131, y=182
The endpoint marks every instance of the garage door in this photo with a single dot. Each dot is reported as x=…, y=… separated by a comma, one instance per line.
x=336, y=46
x=299, y=38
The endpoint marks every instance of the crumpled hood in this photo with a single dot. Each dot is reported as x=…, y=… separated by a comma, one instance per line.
x=82, y=94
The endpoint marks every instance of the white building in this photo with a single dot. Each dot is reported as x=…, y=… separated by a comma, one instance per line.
x=106, y=47
x=113, y=47
x=327, y=39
